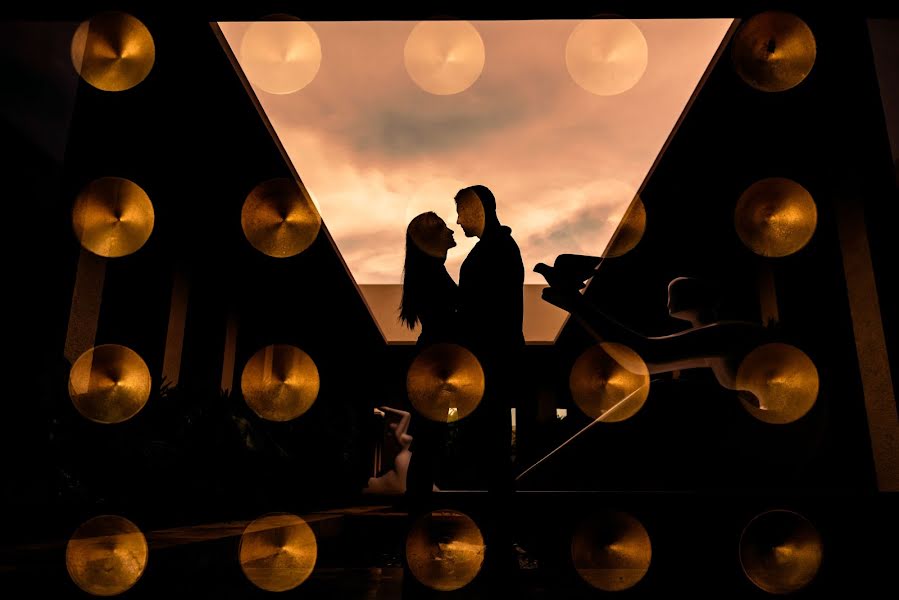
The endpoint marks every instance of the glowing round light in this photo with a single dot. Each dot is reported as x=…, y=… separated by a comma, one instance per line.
x=606, y=57
x=278, y=552
x=783, y=380
x=113, y=217
x=781, y=551
x=280, y=57
x=113, y=51
x=445, y=550
x=278, y=219
x=444, y=57
x=106, y=555
x=444, y=377
x=774, y=51
x=280, y=382
x=109, y=384
x=629, y=232
x=611, y=551
x=775, y=217
x=609, y=380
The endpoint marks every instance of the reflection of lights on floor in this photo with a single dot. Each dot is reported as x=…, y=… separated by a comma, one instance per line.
x=452, y=414
x=561, y=413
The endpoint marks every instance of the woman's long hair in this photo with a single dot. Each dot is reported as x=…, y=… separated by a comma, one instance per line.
x=418, y=270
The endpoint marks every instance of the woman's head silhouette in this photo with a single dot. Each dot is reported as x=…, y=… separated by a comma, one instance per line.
x=427, y=241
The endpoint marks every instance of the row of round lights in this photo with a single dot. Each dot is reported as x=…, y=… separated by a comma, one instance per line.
x=114, y=51
x=111, y=383
x=780, y=551
x=114, y=217
x=773, y=51
x=605, y=57
x=609, y=381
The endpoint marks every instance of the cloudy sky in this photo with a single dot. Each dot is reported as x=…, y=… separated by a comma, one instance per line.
x=374, y=149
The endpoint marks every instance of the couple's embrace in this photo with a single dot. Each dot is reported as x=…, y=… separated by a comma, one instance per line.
x=483, y=314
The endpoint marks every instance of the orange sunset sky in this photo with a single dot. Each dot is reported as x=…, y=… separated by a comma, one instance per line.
x=374, y=149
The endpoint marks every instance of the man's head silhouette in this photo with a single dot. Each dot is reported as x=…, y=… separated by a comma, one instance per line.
x=476, y=208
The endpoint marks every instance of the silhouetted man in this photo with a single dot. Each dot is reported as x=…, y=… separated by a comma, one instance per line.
x=491, y=296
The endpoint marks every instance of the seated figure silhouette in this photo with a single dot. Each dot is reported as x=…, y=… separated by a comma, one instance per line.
x=709, y=343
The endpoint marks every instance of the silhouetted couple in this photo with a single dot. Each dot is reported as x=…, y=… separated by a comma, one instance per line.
x=483, y=314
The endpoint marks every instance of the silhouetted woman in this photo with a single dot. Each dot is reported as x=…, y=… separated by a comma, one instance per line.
x=430, y=301
x=430, y=296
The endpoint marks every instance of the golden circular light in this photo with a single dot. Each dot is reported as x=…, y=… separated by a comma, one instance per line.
x=774, y=51
x=112, y=217
x=609, y=380
x=109, y=384
x=606, y=57
x=444, y=57
x=278, y=552
x=445, y=550
x=775, y=217
x=113, y=51
x=278, y=219
x=106, y=555
x=780, y=551
x=280, y=57
x=280, y=382
x=442, y=377
x=629, y=231
x=782, y=378
x=611, y=551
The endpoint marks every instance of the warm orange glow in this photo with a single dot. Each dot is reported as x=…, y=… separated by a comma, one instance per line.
x=113, y=217
x=374, y=151
x=783, y=379
x=445, y=380
x=631, y=227
x=607, y=57
x=610, y=382
x=445, y=550
x=109, y=384
x=774, y=51
x=278, y=552
x=781, y=551
x=106, y=555
x=611, y=551
x=776, y=217
x=280, y=57
x=278, y=218
x=280, y=382
x=113, y=51
x=444, y=57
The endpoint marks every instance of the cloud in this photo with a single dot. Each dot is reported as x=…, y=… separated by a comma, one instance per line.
x=375, y=150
